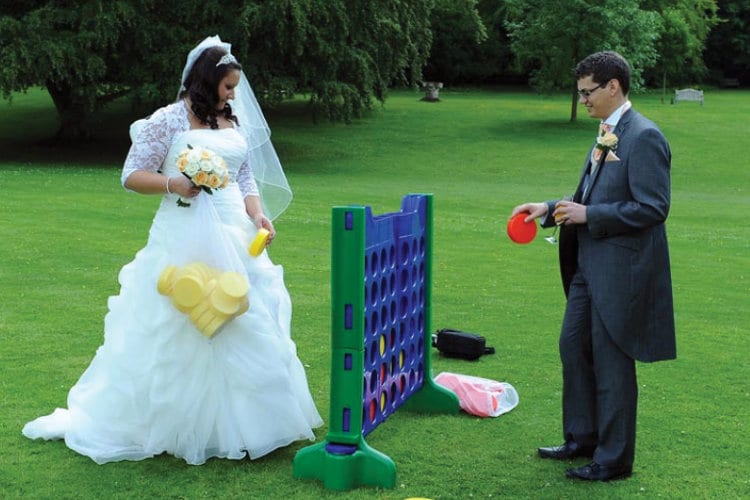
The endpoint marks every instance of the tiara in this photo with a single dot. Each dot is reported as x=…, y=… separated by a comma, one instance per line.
x=226, y=59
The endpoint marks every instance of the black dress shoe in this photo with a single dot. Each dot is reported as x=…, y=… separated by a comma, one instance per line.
x=596, y=472
x=568, y=450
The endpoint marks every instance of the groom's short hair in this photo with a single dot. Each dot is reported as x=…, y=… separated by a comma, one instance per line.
x=605, y=66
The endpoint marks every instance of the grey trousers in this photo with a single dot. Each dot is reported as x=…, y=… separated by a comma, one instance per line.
x=600, y=391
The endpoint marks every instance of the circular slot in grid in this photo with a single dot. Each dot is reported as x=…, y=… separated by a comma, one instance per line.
x=374, y=294
x=372, y=353
x=403, y=306
x=374, y=266
x=373, y=322
x=404, y=279
x=408, y=251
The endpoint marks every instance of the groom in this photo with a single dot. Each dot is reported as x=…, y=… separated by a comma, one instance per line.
x=614, y=262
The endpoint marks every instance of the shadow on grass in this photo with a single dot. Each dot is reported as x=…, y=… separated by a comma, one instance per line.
x=544, y=130
x=30, y=122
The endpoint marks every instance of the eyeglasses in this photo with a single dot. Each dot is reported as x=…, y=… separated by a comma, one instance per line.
x=587, y=92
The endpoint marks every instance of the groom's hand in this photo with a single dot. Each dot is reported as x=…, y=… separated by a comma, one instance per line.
x=535, y=210
x=568, y=212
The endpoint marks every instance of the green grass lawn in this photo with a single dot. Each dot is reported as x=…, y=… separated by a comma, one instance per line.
x=66, y=228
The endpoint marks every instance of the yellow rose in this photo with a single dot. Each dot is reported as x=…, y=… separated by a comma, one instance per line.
x=214, y=181
x=182, y=162
x=200, y=178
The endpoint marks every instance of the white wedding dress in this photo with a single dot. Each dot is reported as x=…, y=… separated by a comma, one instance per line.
x=157, y=384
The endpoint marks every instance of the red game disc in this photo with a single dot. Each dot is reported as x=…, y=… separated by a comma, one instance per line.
x=520, y=231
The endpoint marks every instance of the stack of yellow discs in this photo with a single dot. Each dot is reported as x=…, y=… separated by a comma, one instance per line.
x=230, y=290
x=210, y=297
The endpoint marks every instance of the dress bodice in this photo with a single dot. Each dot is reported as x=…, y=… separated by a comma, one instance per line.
x=158, y=140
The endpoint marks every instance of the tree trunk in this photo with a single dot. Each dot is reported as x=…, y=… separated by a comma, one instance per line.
x=574, y=104
x=663, y=86
x=72, y=110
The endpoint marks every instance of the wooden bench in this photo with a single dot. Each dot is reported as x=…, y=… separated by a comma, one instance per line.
x=688, y=95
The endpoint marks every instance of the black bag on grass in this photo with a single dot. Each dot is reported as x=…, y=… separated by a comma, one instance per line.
x=459, y=344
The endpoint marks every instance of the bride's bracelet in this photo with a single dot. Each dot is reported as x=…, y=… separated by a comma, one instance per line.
x=168, y=191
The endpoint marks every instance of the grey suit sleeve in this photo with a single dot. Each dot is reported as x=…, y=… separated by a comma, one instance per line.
x=548, y=220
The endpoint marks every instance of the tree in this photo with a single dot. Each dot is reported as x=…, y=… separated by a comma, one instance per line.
x=685, y=26
x=345, y=52
x=728, y=45
x=89, y=52
x=457, y=31
x=548, y=37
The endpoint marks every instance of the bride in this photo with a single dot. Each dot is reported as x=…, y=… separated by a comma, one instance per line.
x=158, y=384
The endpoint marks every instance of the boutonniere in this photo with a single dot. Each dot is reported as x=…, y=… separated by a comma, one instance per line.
x=606, y=143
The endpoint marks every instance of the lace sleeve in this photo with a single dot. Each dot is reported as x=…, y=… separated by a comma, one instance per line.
x=246, y=180
x=151, y=139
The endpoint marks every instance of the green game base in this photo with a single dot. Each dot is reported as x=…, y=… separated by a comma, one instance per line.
x=365, y=467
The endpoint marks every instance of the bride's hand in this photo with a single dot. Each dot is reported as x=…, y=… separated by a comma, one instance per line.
x=183, y=186
x=261, y=221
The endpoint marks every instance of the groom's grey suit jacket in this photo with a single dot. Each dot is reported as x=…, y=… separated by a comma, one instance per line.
x=622, y=250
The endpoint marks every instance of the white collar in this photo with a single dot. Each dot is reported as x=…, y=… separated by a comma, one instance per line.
x=614, y=118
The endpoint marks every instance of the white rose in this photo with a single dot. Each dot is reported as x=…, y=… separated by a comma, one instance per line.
x=206, y=165
x=194, y=155
x=191, y=168
x=218, y=162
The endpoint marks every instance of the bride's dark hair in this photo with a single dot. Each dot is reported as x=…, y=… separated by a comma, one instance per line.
x=202, y=84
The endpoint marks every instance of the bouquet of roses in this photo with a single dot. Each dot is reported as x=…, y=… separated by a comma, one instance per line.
x=204, y=168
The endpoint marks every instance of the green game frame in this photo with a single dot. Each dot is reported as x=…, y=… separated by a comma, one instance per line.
x=345, y=461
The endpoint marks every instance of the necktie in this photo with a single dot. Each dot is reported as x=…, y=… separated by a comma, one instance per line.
x=596, y=155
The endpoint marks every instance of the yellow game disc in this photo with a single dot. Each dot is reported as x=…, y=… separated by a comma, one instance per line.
x=232, y=285
x=164, y=285
x=187, y=292
x=213, y=326
x=259, y=243
x=223, y=304
x=244, y=306
x=196, y=313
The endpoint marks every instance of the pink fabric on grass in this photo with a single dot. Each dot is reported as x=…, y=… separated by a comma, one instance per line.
x=480, y=396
